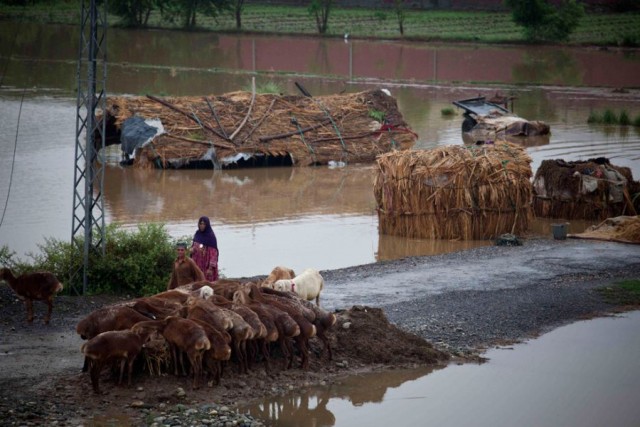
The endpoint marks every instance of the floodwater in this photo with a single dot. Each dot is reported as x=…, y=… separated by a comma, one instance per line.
x=313, y=217
x=585, y=375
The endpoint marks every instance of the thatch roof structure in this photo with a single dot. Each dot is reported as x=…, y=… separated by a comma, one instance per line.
x=455, y=192
x=592, y=190
x=248, y=129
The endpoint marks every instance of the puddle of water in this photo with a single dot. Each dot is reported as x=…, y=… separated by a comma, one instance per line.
x=584, y=374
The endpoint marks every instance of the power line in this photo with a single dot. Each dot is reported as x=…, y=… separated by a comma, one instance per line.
x=15, y=143
x=13, y=160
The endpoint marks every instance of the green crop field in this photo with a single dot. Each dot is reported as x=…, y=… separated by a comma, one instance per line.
x=621, y=29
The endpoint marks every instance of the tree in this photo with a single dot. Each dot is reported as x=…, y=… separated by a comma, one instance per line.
x=187, y=10
x=542, y=21
x=238, y=7
x=320, y=10
x=133, y=12
x=398, y=9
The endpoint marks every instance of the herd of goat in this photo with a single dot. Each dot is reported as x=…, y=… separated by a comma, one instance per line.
x=209, y=322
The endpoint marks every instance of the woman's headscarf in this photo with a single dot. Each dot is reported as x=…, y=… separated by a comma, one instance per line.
x=206, y=237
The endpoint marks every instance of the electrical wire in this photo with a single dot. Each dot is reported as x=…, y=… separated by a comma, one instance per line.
x=13, y=160
x=15, y=143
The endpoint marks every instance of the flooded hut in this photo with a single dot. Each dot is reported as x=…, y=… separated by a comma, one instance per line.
x=454, y=192
x=244, y=129
x=592, y=190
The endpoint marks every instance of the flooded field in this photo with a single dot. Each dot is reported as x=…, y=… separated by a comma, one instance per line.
x=581, y=375
x=318, y=217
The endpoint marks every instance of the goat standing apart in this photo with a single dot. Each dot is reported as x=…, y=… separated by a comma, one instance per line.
x=39, y=286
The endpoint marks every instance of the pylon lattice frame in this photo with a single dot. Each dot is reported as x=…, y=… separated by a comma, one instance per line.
x=88, y=175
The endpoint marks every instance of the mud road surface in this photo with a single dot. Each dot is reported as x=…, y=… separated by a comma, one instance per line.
x=461, y=303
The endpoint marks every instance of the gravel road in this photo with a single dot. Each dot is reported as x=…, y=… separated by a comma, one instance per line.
x=466, y=301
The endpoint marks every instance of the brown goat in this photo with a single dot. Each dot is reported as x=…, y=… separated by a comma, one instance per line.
x=219, y=351
x=307, y=329
x=39, y=286
x=290, y=323
x=267, y=320
x=322, y=319
x=182, y=335
x=278, y=273
x=111, y=318
x=123, y=346
x=156, y=308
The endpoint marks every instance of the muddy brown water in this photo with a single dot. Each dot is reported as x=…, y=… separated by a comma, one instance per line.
x=584, y=374
x=318, y=217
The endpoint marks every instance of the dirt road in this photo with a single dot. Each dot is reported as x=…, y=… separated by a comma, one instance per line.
x=461, y=302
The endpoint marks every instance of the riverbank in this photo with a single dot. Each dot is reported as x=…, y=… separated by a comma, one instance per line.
x=461, y=302
x=595, y=29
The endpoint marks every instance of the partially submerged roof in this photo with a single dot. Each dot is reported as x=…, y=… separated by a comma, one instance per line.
x=246, y=129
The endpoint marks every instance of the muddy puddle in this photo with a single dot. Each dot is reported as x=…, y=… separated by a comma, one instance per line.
x=584, y=374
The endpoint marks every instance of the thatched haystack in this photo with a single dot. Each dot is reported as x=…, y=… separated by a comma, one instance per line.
x=593, y=190
x=624, y=229
x=455, y=192
x=248, y=129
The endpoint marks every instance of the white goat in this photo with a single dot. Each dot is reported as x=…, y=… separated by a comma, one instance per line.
x=307, y=285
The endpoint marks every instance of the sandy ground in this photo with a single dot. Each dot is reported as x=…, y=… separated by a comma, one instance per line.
x=454, y=304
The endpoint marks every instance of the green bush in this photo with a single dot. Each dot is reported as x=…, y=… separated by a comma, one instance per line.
x=135, y=262
x=636, y=121
x=609, y=117
x=594, y=118
x=624, y=119
x=448, y=111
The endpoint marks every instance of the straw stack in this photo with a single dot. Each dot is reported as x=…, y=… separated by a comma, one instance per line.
x=352, y=128
x=454, y=192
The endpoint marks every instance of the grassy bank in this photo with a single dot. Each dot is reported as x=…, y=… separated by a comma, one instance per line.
x=486, y=27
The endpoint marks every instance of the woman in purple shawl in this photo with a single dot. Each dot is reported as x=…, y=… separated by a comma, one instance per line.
x=204, y=250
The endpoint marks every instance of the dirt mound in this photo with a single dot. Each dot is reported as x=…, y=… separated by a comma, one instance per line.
x=364, y=334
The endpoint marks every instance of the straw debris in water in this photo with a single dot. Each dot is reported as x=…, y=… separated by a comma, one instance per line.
x=248, y=127
x=593, y=190
x=454, y=192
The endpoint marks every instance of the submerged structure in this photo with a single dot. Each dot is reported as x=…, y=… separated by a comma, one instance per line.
x=454, y=192
x=245, y=129
x=593, y=189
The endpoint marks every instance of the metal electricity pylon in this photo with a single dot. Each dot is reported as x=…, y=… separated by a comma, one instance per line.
x=88, y=175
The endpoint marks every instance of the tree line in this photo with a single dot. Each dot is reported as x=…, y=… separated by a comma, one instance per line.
x=540, y=20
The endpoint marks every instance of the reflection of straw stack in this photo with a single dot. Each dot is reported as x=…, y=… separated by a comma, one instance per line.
x=453, y=192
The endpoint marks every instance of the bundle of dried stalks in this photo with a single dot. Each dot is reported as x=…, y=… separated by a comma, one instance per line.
x=310, y=130
x=625, y=229
x=593, y=189
x=455, y=192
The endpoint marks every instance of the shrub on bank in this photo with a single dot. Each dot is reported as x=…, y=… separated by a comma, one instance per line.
x=136, y=262
x=609, y=117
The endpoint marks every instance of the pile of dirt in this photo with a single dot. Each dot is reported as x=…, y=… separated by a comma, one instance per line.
x=364, y=335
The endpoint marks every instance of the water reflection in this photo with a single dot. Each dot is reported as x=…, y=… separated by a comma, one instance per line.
x=583, y=375
x=310, y=406
x=237, y=196
x=201, y=57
